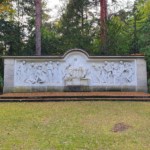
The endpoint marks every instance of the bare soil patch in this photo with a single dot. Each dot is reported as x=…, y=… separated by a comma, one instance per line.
x=119, y=127
x=46, y=119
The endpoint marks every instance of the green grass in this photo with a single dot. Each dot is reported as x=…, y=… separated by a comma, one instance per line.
x=74, y=125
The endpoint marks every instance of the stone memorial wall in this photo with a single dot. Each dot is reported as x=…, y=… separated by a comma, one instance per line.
x=74, y=71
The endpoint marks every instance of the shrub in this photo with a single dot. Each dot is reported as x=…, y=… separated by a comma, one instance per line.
x=148, y=82
x=1, y=81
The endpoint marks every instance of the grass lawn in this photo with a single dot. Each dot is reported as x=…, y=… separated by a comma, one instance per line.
x=74, y=125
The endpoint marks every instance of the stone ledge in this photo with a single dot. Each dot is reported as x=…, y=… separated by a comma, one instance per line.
x=74, y=89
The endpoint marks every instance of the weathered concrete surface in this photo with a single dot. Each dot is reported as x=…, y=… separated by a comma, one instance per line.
x=69, y=89
x=9, y=72
x=140, y=71
x=141, y=75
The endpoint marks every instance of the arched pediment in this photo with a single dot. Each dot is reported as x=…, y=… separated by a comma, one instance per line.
x=74, y=51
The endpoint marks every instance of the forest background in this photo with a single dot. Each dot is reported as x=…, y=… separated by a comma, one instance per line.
x=127, y=28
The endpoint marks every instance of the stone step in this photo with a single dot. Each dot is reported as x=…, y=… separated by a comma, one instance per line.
x=75, y=96
x=70, y=99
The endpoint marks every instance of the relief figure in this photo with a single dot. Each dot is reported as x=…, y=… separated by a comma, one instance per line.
x=107, y=70
x=23, y=72
x=67, y=72
x=39, y=74
x=113, y=73
x=31, y=74
x=50, y=71
x=19, y=74
x=87, y=75
x=75, y=68
x=95, y=73
x=45, y=71
x=130, y=72
x=56, y=74
x=120, y=72
x=100, y=69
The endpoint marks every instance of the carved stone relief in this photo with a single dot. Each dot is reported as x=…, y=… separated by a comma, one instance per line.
x=74, y=72
x=118, y=73
x=38, y=73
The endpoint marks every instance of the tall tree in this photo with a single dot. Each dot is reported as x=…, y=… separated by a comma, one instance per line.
x=103, y=7
x=38, y=27
x=135, y=25
x=77, y=26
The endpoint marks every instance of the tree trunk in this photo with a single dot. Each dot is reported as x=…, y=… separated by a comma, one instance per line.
x=103, y=5
x=38, y=27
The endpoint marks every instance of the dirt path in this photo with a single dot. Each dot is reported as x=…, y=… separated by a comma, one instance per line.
x=75, y=94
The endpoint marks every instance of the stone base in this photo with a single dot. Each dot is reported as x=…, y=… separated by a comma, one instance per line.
x=78, y=82
x=74, y=89
x=77, y=89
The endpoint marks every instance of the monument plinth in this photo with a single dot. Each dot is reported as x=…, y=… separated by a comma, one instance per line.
x=74, y=70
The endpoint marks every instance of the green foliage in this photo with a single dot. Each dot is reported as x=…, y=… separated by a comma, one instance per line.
x=50, y=43
x=148, y=82
x=11, y=35
x=1, y=81
x=1, y=68
x=145, y=44
x=79, y=26
x=75, y=29
x=116, y=38
x=134, y=25
x=123, y=31
x=6, y=9
x=1, y=73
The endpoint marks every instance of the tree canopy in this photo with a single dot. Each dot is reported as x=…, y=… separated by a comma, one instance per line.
x=79, y=26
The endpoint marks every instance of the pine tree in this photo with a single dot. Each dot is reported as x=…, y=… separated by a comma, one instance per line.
x=145, y=42
x=134, y=25
x=76, y=26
